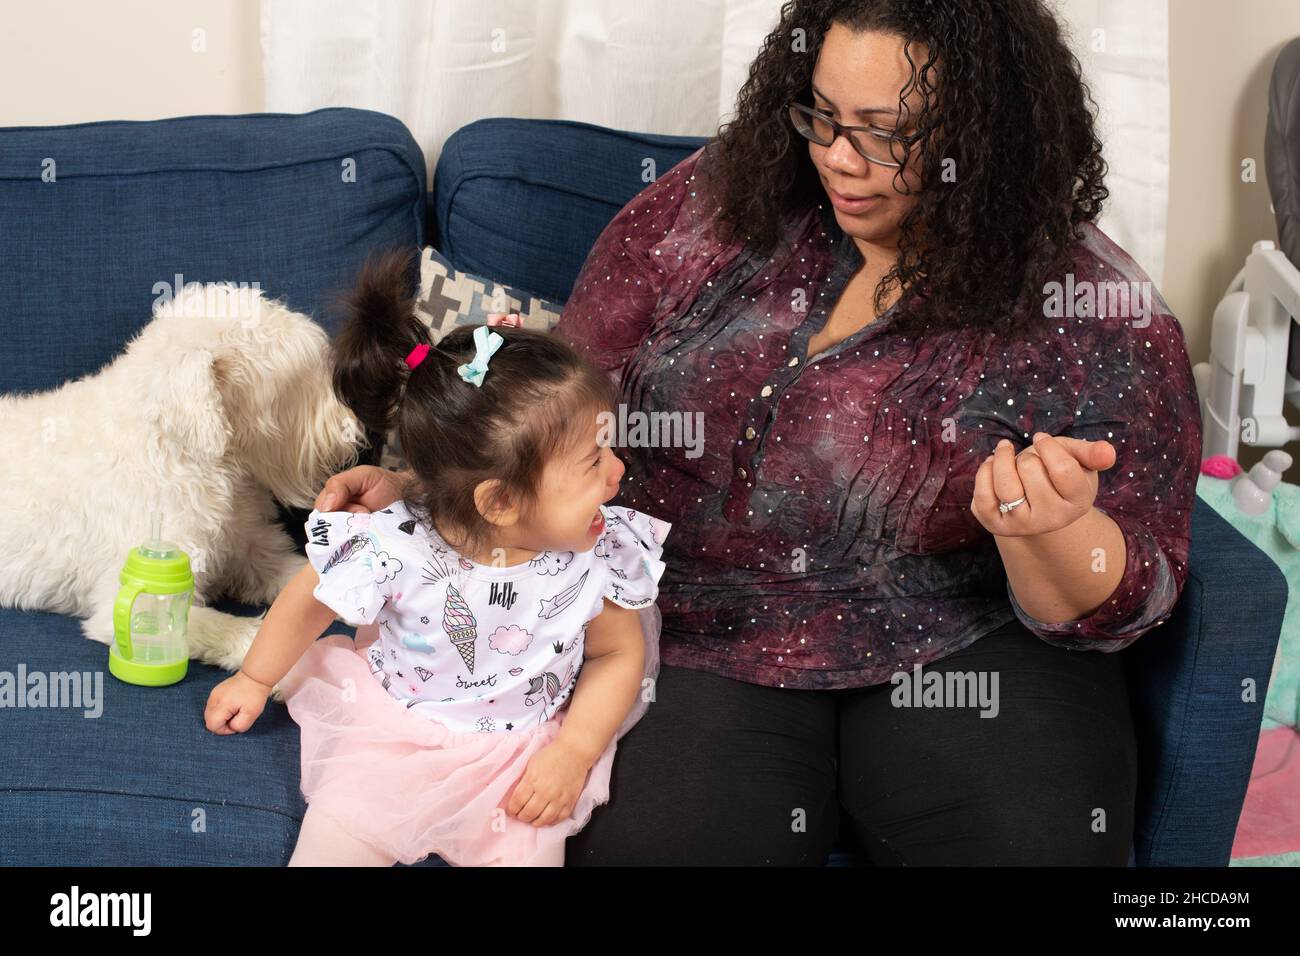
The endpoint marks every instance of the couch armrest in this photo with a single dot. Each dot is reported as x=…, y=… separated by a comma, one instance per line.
x=1196, y=735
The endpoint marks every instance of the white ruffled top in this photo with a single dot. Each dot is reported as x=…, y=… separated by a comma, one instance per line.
x=477, y=647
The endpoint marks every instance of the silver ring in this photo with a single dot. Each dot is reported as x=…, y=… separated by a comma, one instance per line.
x=1005, y=506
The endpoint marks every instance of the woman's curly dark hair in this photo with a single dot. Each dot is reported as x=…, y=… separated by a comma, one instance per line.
x=1003, y=96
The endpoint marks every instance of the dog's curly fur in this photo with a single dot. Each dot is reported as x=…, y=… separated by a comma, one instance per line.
x=220, y=403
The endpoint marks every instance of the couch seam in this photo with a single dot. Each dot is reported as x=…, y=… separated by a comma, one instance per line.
x=148, y=796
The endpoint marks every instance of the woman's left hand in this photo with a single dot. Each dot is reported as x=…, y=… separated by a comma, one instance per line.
x=1056, y=475
x=550, y=786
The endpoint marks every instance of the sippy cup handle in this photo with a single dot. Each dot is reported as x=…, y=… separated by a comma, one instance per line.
x=122, y=617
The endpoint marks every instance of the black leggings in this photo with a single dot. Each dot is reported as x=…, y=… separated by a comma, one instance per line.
x=723, y=772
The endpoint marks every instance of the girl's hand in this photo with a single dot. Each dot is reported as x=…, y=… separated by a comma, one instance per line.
x=1057, y=476
x=549, y=788
x=360, y=490
x=234, y=704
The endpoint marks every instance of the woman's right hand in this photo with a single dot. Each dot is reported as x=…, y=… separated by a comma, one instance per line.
x=361, y=490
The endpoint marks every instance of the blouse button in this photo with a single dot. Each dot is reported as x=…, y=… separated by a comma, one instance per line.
x=742, y=472
x=749, y=433
x=793, y=362
x=767, y=390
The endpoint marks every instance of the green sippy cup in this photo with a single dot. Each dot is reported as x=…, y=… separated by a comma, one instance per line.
x=151, y=613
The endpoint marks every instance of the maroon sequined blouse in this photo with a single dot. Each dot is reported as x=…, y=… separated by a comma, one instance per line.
x=822, y=532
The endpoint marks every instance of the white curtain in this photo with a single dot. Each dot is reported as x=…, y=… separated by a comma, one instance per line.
x=671, y=66
x=1123, y=46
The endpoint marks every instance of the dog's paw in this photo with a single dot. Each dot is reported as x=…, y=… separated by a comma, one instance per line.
x=277, y=694
x=99, y=630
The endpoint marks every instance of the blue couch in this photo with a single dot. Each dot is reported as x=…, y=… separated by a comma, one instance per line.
x=267, y=198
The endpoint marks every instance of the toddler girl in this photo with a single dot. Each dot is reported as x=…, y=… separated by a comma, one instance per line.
x=507, y=635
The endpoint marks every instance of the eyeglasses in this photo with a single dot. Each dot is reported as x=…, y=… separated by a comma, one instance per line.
x=873, y=144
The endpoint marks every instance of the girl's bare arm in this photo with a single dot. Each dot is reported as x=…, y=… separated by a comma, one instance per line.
x=614, y=652
x=295, y=619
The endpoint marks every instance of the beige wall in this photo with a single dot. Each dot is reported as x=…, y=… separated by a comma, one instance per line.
x=68, y=62
x=1220, y=59
x=72, y=61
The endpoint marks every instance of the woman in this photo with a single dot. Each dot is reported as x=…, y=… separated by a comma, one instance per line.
x=941, y=438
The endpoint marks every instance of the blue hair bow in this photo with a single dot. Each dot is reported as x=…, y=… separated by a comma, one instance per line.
x=486, y=343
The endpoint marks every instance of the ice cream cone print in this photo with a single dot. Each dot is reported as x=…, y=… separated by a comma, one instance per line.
x=464, y=641
x=459, y=623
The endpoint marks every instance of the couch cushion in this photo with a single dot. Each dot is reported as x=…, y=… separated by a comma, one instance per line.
x=522, y=201
x=264, y=198
x=145, y=782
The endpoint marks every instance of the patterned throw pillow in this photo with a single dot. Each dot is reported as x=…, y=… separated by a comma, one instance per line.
x=449, y=298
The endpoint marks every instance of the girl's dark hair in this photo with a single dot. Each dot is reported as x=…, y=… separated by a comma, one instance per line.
x=1002, y=95
x=539, y=399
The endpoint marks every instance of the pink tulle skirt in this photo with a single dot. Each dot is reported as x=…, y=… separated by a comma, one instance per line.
x=411, y=786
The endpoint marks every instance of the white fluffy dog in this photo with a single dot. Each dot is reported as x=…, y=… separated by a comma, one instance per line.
x=220, y=403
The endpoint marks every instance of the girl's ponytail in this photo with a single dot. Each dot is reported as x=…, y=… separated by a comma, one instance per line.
x=538, y=401
x=378, y=332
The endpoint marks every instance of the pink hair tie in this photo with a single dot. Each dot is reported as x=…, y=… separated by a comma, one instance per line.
x=510, y=320
x=416, y=355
